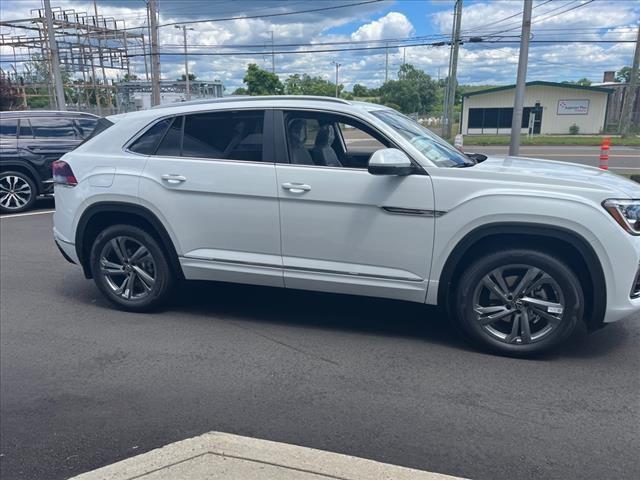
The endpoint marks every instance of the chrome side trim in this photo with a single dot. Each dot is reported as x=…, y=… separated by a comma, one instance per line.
x=413, y=211
x=309, y=270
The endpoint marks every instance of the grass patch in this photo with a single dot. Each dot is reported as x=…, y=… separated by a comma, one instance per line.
x=569, y=140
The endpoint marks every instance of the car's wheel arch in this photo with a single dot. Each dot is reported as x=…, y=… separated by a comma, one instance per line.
x=99, y=215
x=24, y=168
x=583, y=257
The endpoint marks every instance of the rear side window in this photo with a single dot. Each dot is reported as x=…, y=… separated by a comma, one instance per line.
x=224, y=135
x=101, y=125
x=53, y=128
x=8, y=127
x=86, y=126
x=147, y=143
x=25, y=129
x=170, y=145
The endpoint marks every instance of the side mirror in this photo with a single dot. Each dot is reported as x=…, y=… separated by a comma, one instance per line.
x=478, y=157
x=390, y=161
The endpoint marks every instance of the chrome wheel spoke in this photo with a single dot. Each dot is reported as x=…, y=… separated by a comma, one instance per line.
x=115, y=245
x=146, y=279
x=515, y=330
x=527, y=281
x=525, y=327
x=491, y=285
x=489, y=315
x=111, y=268
x=131, y=279
x=139, y=254
x=552, y=319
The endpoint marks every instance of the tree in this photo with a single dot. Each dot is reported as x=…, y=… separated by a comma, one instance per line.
x=413, y=92
x=360, y=90
x=129, y=77
x=307, y=85
x=261, y=82
x=183, y=77
x=240, y=91
x=583, y=81
x=9, y=98
x=624, y=75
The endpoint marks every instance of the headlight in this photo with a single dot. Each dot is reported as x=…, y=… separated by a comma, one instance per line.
x=626, y=213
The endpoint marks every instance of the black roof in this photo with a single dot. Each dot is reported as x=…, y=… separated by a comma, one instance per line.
x=44, y=113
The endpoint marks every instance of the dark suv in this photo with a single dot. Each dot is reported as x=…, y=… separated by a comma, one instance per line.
x=29, y=142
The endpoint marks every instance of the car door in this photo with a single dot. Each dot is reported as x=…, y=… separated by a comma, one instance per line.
x=212, y=180
x=343, y=229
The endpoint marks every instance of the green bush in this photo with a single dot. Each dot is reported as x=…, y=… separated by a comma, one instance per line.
x=574, y=129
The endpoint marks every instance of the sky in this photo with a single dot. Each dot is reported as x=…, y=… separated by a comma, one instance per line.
x=479, y=63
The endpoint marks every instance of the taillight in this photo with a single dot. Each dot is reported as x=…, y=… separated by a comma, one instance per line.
x=62, y=174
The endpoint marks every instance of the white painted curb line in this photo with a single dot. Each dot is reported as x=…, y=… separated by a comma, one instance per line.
x=218, y=455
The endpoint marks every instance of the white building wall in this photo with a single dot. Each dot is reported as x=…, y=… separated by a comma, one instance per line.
x=548, y=97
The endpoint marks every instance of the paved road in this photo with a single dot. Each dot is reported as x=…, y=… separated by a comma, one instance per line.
x=83, y=385
x=623, y=158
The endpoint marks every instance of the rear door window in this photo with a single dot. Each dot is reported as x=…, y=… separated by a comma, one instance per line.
x=25, y=129
x=224, y=135
x=8, y=128
x=44, y=127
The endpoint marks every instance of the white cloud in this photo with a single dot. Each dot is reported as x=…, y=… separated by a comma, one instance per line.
x=392, y=25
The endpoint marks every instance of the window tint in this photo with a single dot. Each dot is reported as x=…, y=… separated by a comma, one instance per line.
x=8, y=128
x=224, y=135
x=25, y=129
x=145, y=144
x=53, y=127
x=170, y=145
x=86, y=125
x=329, y=140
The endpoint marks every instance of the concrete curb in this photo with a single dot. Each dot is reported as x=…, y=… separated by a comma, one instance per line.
x=218, y=455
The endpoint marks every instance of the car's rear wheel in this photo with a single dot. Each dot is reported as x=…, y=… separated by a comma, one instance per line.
x=130, y=268
x=519, y=302
x=17, y=192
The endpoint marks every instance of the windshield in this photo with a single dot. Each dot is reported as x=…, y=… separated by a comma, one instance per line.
x=428, y=143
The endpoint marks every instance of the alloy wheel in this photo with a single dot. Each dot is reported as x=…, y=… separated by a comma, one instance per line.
x=518, y=304
x=128, y=268
x=15, y=192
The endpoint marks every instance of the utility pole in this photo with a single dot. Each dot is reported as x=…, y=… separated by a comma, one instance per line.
x=186, y=62
x=521, y=80
x=337, y=68
x=450, y=94
x=155, y=57
x=104, y=74
x=55, y=58
x=630, y=97
x=273, y=55
x=386, y=64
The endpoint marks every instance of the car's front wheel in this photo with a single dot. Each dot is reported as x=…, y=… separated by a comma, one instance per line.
x=519, y=302
x=130, y=268
x=17, y=192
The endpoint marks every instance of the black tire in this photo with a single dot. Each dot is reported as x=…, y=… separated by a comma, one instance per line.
x=18, y=199
x=474, y=298
x=155, y=265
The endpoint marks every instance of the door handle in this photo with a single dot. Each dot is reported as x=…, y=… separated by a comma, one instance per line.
x=173, y=179
x=296, y=187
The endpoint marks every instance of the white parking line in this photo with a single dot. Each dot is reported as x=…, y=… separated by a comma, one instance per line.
x=44, y=212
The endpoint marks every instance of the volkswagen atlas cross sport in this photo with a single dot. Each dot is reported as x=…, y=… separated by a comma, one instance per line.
x=338, y=196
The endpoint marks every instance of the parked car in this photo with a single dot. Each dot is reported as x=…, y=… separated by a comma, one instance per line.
x=29, y=142
x=337, y=196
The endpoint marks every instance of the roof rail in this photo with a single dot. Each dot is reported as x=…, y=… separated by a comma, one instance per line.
x=248, y=98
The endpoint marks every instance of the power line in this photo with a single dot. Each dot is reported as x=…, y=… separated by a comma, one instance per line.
x=272, y=15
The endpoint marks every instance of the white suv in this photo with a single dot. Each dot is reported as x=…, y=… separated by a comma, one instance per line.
x=336, y=196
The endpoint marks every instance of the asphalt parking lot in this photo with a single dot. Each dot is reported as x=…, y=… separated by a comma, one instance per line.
x=83, y=385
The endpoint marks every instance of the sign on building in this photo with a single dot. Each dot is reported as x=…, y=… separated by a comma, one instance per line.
x=573, y=107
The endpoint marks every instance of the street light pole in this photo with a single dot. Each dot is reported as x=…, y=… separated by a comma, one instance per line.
x=55, y=58
x=521, y=80
x=186, y=61
x=155, y=55
x=337, y=68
